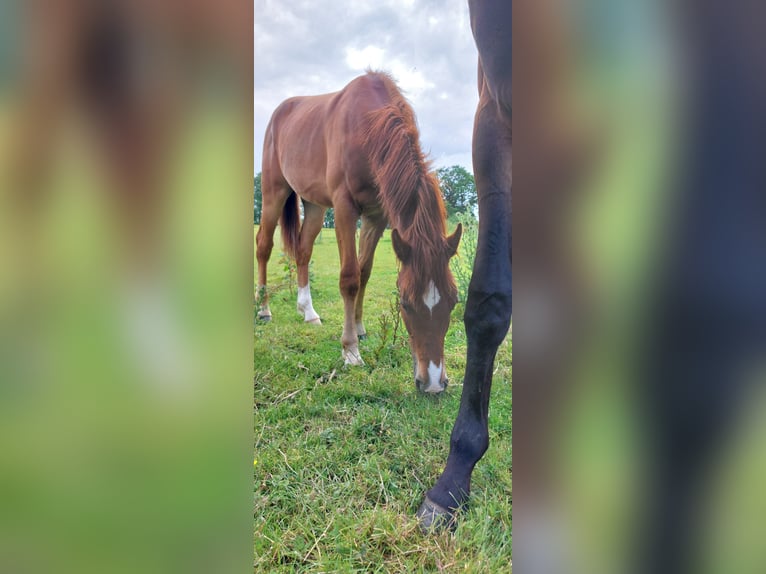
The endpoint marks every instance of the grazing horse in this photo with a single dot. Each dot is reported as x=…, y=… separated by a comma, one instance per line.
x=358, y=151
x=488, y=308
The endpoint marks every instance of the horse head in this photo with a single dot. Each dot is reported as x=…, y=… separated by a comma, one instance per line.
x=427, y=296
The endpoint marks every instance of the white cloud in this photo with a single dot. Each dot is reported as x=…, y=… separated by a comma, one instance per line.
x=410, y=80
x=367, y=57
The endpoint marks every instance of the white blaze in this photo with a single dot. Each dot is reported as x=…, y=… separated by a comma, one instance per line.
x=431, y=296
x=434, y=378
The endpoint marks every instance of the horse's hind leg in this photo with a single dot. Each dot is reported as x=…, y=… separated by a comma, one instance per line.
x=313, y=218
x=264, y=241
x=372, y=229
x=273, y=201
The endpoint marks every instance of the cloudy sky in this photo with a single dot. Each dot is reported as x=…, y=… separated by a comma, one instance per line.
x=316, y=46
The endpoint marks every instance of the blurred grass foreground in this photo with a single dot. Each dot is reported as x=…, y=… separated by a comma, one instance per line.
x=125, y=339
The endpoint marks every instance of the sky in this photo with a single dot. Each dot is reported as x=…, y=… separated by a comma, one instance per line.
x=304, y=47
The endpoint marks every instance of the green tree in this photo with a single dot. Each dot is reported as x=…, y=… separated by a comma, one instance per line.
x=257, y=198
x=458, y=190
x=329, y=218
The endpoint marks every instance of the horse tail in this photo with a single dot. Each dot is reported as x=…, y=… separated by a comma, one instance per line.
x=290, y=224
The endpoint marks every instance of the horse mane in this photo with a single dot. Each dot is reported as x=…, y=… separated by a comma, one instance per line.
x=408, y=190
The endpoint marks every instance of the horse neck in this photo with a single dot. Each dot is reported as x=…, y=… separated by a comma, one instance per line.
x=423, y=228
x=417, y=216
x=407, y=191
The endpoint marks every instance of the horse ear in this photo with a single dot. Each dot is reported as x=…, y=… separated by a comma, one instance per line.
x=454, y=240
x=401, y=248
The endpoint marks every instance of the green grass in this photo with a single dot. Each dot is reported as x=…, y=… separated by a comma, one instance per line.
x=343, y=456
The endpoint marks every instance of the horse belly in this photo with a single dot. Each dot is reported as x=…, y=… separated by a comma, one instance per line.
x=304, y=166
x=316, y=192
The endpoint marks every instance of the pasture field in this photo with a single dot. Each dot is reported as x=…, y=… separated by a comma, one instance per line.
x=343, y=456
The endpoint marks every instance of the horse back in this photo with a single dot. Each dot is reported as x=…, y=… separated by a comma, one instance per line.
x=294, y=148
x=315, y=143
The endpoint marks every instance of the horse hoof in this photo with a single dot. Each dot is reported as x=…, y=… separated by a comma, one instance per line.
x=434, y=517
x=316, y=321
x=362, y=337
x=264, y=318
x=352, y=358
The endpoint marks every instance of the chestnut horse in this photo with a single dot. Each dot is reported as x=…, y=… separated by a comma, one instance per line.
x=489, y=304
x=358, y=151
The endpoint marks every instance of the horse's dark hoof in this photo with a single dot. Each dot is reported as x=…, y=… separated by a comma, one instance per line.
x=362, y=337
x=264, y=318
x=434, y=517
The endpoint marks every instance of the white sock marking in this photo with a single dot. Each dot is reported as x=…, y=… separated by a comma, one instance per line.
x=305, y=305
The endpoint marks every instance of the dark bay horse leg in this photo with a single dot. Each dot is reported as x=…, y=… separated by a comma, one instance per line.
x=487, y=315
x=694, y=390
x=704, y=350
x=313, y=218
x=346, y=216
x=369, y=235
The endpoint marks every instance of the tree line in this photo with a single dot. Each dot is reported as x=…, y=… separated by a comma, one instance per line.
x=457, y=186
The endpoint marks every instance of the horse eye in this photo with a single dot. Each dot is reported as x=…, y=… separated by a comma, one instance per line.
x=407, y=307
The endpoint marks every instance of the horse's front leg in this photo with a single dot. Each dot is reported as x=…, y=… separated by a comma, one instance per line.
x=346, y=216
x=487, y=315
x=487, y=319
